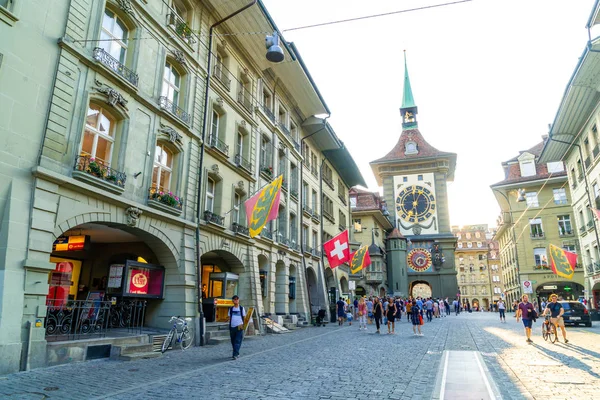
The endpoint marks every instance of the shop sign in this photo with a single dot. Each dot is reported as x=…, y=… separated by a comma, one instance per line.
x=224, y=302
x=550, y=287
x=351, y=285
x=69, y=243
x=139, y=281
x=596, y=278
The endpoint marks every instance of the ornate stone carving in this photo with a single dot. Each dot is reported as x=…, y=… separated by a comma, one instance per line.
x=113, y=96
x=179, y=56
x=219, y=101
x=126, y=6
x=246, y=71
x=243, y=124
x=240, y=185
x=215, y=169
x=133, y=214
x=416, y=229
x=172, y=133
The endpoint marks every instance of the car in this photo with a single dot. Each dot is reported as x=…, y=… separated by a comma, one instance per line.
x=576, y=313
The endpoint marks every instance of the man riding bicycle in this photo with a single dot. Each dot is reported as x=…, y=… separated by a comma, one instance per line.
x=556, y=311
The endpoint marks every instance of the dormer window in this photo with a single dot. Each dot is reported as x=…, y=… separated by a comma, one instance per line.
x=527, y=168
x=410, y=148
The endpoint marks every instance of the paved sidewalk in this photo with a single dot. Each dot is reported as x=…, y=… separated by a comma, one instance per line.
x=335, y=363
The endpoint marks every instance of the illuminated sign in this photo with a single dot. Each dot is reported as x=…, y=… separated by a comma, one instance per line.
x=70, y=243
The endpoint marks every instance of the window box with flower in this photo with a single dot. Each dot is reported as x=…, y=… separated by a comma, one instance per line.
x=95, y=172
x=165, y=201
x=267, y=172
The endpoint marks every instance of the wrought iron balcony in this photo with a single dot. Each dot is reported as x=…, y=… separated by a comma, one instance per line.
x=115, y=65
x=209, y=216
x=215, y=142
x=329, y=182
x=582, y=229
x=316, y=217
x=167, y=105
x=327, y=215
x=307, y=210
x=245, y=100
x=307, y=249
x=596, y=151
x=294, y=246
x=167, y=198
x=587, y=162
x=282, y=239
x=268, y=113
x=239, y=228
x=100, y=170
x=221, y=75
x=265, y=233
x=267, y=171
x=181, y=28
x=242, y=162
x=563, y=232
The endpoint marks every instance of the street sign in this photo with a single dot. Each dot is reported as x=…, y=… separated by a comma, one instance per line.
x=527, y=287
x=550, y=287
x=352, y=285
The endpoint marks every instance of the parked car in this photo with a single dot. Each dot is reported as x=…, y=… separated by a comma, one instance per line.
x=576, y=313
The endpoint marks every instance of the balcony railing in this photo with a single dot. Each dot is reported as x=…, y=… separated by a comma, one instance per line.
x=343, y=200
x=268, y=112
x=265, y=233
x=167, y=105
x=316, y=217
x=329, y=182
x=590, y=224
x=239, y=228
x=596, y=151
x=565, y=232
x=267, y=171
x=596, y=266
x=98, y=169
x=167, y=198
x=582, y=229
x=209, y=216
x=537, y=235
x=316, y=252
x=294, y=246
x=284, y=185
x=282, y=239
x=294, y=193
x=181, y=28
x=587, y=162
x=244, y=99
x=115, y=65
x=307, y=249
x=242, y=162
x=221, y=75
x=215, y=142
x=374, y=276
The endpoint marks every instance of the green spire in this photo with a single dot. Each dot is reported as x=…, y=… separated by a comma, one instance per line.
x=408, y=101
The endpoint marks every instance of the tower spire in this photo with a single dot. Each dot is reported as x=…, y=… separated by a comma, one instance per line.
x=408, y=111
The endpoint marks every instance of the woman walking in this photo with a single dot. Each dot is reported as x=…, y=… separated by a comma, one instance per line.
x=442, y=308
x=391, y=316
x=377, y=313
x=436, y=309
x=362, y=314
x=416, y=318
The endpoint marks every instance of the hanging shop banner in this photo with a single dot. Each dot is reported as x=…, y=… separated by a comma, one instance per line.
x=71, y=243
x=139, y=278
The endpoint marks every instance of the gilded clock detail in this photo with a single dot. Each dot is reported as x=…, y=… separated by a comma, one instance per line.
x=415, y=204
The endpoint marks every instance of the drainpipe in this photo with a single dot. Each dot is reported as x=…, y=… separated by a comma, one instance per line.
x=201, y=165
x=302, y=218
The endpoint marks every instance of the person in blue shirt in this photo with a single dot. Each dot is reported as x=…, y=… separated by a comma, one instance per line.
x=556, y=311
x=341, y=311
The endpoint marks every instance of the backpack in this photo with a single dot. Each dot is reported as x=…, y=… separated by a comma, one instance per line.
x=241, y=310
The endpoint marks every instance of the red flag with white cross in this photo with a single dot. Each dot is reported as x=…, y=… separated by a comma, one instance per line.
x=337, y=249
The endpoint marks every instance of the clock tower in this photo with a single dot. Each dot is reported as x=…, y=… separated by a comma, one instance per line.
x=414, y=175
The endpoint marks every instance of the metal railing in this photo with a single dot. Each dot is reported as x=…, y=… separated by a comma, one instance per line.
x=239, y=228
x=536, y=234
x=98, y=169
x=173, y=109
x=563, y=232
x=307, y=249
x=329, y=182
x=167, y=198
x=282, y=239
x=587, y=162
x=209, y=216
x=327, y=215
x=307, y=209
x=215, y=142
x=268, y=113
x=221, y=75
x=266, y=233
x=590, y=224
x=596, y=151
x=115, y=65
x=284, y=185
x=245, y=101
x=74, y=319
x=181, y=28
x=242, y=162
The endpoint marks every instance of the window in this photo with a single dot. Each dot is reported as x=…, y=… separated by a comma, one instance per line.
x=239, y=143
x=468, y=235
x=293, y=229
x=282, y=117
x=404, y=179
x=497, y=290
x=113, y=36
x=479, y=244
x=313, y=201
x=596, y=190
x=235, y=213
x=357, y=223
x=305, y=235
x=281, y=225
x=564, y=225
x=267, y=100
x=265, y=153
x=473, y=290
x=459, y=245
x=99, y=136
x=571, y=248
x=535, y=225
x=527, y=168
x=305, y=194
x=342, y=220
x=353, y=202
x=163, y=167
x=419, y=177
x=555, y=167
x=477, y=235
x=462, y=279
x=532, y=199
x=171, y=84
x=469, y=245
x=315, y=239
x=495, y=278
x=209, y=204
x=459, y=236
x=560, y=196
x=539, y=254
x=214, y=125
x=410, y=148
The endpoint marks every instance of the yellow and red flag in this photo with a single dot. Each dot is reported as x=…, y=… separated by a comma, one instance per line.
x=263, y=206
x=360, y=259
x=562, y=262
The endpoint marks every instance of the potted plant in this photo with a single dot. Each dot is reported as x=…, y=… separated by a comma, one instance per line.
x=96, y=168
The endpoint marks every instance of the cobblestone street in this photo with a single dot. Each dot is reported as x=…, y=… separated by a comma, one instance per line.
x=338, y=363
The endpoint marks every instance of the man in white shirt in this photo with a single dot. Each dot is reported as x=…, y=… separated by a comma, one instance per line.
x=502, y=310
x=236, y=326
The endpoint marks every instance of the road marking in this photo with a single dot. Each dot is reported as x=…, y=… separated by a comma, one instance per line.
x=470, y=377
x=485, y=379
x=444, y=375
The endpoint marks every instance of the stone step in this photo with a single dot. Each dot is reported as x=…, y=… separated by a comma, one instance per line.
x=139, y=356
x=289, y=326
x=218, y=340
x=136, y=348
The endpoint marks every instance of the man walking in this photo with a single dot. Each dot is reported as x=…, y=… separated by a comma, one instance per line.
x=556, y=311
x=502, y=311
x=236, y=326
x=526, y=312
x=341, y=311
x=429, y=307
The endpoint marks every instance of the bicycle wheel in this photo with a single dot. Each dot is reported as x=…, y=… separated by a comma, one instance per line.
x=545, y=331
x=168, y=341
x=552, y=333
x=187, y=337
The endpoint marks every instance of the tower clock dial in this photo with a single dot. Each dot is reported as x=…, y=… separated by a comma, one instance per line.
x=415, y=204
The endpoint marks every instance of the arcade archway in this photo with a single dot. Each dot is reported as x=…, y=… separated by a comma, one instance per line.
x=420, y=289
x=313, y=290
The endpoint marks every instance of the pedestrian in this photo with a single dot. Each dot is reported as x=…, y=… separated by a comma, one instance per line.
x=391, y=317
x=355, y=307
x=468, y=306
x=377, y=313
x=399, y=306
x=442, y=308
x=236, y=326
x=456, y=306
x=556, y=311
x=362, y=314
x=526, y=312
x=370, y=310
x=409, y=304
x=502, y=311
x=436, y=309
x=341, y=311
x=416, y=318
x=429, y=309
x=447, y=306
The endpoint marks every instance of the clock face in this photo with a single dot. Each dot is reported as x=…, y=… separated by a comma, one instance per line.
x=419, y=260
x=415, y=204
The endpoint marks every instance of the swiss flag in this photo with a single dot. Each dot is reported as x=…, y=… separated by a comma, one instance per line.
x=337, y=249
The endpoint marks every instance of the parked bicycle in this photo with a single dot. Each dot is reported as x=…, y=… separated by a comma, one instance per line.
x=180, y=332
x=549, y=330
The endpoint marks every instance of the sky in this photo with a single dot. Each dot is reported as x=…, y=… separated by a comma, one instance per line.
x=487, y=75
